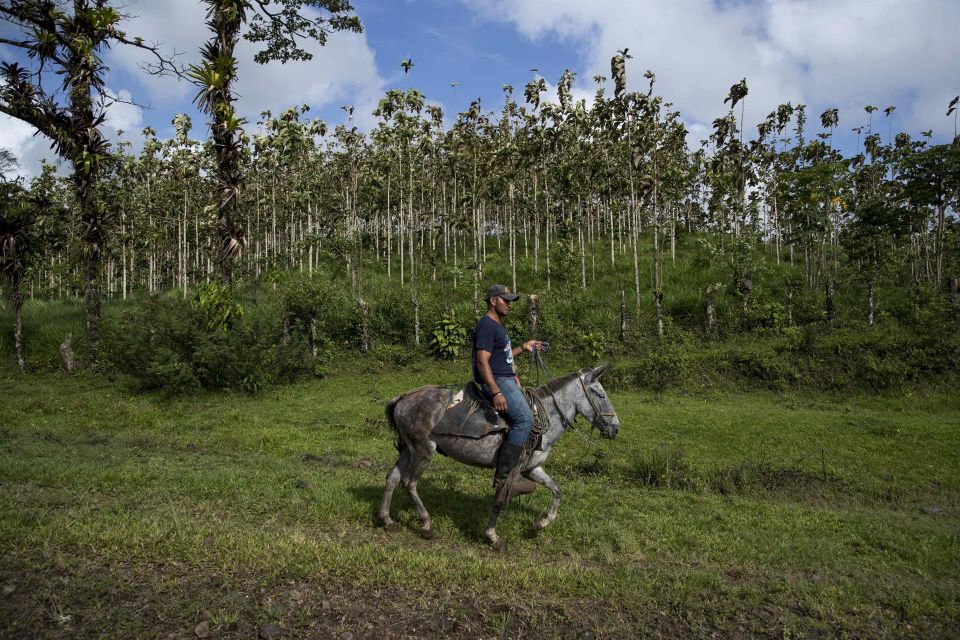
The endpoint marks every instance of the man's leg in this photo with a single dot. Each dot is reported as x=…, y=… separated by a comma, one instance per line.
x=518, y=411
x=519, y=416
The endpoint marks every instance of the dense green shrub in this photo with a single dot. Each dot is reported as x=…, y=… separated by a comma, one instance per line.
x=658, y=367
x=448, y=337
x=761, y=363
x=178, y=346
x=394, y=354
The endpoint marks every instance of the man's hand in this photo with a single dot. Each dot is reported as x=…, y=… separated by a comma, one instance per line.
x=500, y=403
x=532, y=345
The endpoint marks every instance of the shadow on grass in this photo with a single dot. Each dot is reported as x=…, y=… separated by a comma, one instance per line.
x=468, y=511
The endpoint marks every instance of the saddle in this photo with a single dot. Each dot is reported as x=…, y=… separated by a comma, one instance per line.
x=470, y=414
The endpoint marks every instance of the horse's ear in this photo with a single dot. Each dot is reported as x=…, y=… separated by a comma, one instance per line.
x=599, y=371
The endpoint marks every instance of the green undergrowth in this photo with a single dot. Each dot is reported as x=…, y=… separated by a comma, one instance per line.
x=717, y=512
x=167, y=344
x=781, y=338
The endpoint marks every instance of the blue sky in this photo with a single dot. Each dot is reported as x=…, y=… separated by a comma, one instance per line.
x=448, y=42
x=824, y=53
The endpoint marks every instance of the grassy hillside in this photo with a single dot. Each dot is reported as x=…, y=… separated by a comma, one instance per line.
x=782, y=341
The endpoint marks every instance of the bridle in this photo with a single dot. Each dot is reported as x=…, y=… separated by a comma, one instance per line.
x=606, y=416
x=600, y=418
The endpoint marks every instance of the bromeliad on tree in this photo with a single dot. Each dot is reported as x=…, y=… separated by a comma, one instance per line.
x=66, y=39
x=280, y=26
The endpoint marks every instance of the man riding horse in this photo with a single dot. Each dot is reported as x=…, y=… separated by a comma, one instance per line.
x=419, y=418
x=493, y=370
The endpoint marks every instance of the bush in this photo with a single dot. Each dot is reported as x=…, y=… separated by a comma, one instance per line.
x=660, y=367
x=759, y=362
x=593, y=344
x=178, y=347
x=394, y=354
x=448, y=337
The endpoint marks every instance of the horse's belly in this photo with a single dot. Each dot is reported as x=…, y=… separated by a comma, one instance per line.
x=478, y=452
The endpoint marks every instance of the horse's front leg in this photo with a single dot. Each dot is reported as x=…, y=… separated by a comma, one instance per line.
x=498, y=543
x=540, y=476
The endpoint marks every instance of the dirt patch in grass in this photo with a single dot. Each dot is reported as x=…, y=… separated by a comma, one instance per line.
x=64, y=595
x=787, y=480
x=56, y=597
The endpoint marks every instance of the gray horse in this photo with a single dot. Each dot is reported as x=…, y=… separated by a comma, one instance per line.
x=415, y=414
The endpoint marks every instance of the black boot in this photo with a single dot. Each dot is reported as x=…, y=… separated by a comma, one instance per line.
x=507, y=459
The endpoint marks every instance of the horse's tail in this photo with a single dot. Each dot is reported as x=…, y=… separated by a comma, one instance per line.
x=391, y=405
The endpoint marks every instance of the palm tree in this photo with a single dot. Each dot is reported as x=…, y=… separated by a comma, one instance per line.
x=278, y=25
x=70, y=43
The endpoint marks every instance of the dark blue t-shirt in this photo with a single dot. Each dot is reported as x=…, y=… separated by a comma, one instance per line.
x=491, y=336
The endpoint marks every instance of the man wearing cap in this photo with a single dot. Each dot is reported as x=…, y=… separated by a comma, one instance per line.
x=493, y=371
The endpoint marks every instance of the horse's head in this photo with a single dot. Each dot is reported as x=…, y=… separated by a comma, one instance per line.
x=596, y=406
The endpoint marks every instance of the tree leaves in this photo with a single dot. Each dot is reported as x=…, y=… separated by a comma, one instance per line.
x=282, y=30
x=737, y=93
x=618, y=70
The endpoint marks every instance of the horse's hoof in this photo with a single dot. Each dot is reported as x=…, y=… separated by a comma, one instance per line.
x=426, y=534
x=499, y=545
x=536, y=529
x=392, y=527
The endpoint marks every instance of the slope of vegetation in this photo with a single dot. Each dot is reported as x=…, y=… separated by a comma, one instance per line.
x=297, y=325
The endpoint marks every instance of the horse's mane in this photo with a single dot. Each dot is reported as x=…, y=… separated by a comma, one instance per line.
x=557, y=383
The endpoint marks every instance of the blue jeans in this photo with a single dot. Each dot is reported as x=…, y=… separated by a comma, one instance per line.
x=518, y=414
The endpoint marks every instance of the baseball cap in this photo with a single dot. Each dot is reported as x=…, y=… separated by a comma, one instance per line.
x=501, y=291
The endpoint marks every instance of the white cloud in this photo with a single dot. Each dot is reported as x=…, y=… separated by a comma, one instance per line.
x=122, y=115
x=824, y=53
x=28, y=148
x=177, y=28
x=342, y=72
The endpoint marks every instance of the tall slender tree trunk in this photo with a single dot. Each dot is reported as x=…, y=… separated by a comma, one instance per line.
x=657, y=257
x=513, y=242
x=389, y=223
x=536, y=226
x=17, y=300
x=710, y=320
x=939, y=256
x=623, y=316
x=413, y=223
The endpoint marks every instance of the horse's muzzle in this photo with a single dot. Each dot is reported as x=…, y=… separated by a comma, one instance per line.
x=610, y=429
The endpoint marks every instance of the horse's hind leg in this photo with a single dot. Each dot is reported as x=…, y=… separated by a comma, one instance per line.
x=540, y=476
x=418, y=464
x=393, y=479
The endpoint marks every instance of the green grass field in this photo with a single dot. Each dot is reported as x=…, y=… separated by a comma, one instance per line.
x=129, y=515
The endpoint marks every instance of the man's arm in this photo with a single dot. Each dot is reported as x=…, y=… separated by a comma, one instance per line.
x=529, y=345
x=486, y=374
